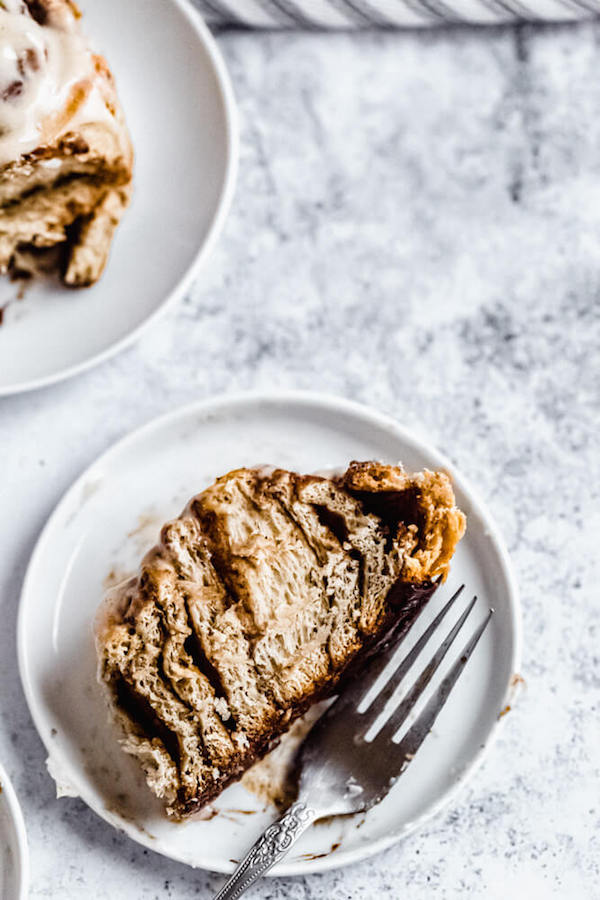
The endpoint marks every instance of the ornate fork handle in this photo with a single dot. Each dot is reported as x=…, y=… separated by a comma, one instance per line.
x=271, y=846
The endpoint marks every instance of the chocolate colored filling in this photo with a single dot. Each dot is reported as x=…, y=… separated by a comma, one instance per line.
x=141, y=713
x=392, y=507
x=38, y=10
x=333, y=521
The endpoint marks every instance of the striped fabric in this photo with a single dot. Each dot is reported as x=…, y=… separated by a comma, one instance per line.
x=389, y=13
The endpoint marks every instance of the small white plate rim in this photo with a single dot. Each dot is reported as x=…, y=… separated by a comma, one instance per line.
x=231, y=167
x=9, y=797
x=333, y=404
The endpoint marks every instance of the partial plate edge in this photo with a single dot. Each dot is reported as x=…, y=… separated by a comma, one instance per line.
x=22, y=862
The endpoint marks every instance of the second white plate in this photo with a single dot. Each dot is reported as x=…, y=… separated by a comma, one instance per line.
x=112, y=515
x=181, y=113
x=14, y=854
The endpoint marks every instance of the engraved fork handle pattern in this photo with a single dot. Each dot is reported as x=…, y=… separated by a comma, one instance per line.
x=271, y=846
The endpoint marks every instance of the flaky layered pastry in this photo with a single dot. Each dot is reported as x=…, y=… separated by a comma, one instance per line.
x=65, y=154
x=268, y=590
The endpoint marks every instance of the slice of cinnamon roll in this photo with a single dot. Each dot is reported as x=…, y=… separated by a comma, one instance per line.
x=266, y=593
x=65, y=153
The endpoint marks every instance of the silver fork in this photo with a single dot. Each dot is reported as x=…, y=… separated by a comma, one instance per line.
x=343, y=768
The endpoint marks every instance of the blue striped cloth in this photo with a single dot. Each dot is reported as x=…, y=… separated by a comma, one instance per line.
x=389, y=13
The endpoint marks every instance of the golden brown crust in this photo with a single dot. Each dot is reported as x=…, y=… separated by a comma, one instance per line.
x=257, y=601
x=441, y=523
x=89, y=252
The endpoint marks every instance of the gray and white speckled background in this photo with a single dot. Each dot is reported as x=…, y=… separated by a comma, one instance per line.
x=417, y=226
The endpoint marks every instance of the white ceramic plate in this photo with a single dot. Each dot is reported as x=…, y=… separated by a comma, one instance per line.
x=181, y=112
x=112, y=515
x=14, y=857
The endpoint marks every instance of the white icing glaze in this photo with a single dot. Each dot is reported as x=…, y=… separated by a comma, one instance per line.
x=47, y=80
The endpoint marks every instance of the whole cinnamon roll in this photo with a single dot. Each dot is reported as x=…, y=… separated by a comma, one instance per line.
x=65, y=153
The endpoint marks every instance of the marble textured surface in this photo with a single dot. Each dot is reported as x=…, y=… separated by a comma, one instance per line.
x=417, y=226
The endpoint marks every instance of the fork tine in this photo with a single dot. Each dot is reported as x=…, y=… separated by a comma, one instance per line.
x=356, y=690
x=377, y=705
x=414, y=737
x=403, y=709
